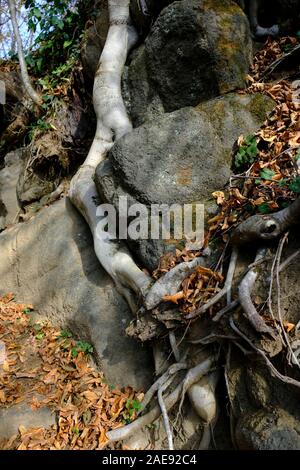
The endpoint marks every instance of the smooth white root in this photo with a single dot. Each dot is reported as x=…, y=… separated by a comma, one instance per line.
x=171, y=372
x=193, y=376
x=202, y=397
x=112, y=124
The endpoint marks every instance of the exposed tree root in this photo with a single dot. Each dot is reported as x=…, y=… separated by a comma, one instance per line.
x=245, y=289
x=170, y=283
x=193, y=376
x=266, y=227
x=283, y=378
x=164, y=413
x=120, y=434
x=171, y=372
x=112, y=123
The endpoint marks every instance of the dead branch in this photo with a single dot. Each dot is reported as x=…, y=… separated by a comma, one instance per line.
x=283, y=378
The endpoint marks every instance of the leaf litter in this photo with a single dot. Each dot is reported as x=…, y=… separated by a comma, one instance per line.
x=38, y=367
x=266, y=173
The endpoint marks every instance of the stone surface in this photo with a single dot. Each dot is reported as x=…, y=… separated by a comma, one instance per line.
x=198, y=50
x=9, y=206
x=179, y=157
x=144, y=102
x=273, y=430
x=49, y=261
x=23, y=415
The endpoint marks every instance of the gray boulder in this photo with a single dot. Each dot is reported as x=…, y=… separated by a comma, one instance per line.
x=49, y=261
x=180, y=157
x=198, y=50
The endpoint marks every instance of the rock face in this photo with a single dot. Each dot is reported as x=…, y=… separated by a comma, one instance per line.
x=180, y=157
x=23, y=415
x=198, y=50
x=9, y=175
x=49, y=261
x=143, y=102
x=273, y=430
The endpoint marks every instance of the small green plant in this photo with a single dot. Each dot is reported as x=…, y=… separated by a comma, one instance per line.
x=82, y=346
x=38, y=330
x=267, y=174
x=76, y=431
x=39, y=126
x=247, y=153
x=297, y=156
x=27, y=310
x=131, y=408
x=264, y=208
x=65, y=334
x=295, y=185
x=40, y=336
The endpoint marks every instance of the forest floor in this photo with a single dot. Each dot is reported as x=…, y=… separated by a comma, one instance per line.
x=43, y=366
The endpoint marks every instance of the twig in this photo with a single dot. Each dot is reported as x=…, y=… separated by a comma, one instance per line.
x=211, y=339
x=274, y=371
x=270, y=69
x=288, y=261
x=224, y=310
x=281, y=245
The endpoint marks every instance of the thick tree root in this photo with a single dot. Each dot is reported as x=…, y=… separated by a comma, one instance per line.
x=120, y=434
x=192, y=376
x=266, y=227
x=170, y=283
x=245, y=290
x=171, y=372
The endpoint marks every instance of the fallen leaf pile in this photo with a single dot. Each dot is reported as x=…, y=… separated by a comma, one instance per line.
x=43, y=366
x=273, y=50
x=272, y=180
x=199, y=287
x=266, y=170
